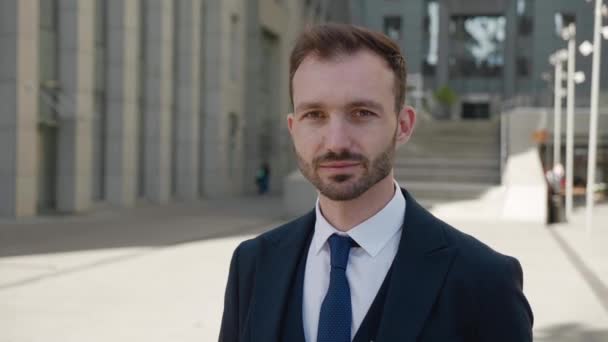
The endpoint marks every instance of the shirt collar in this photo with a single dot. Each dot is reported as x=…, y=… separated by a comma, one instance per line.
x=372, y=234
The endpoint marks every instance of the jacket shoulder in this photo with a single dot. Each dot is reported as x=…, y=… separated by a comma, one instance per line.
x=473, y=253
x=493, y=283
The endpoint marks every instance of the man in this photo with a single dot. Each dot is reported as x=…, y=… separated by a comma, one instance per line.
x=368, y=263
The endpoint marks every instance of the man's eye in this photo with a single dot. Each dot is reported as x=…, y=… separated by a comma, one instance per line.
x=313, y=115
x=362, y=113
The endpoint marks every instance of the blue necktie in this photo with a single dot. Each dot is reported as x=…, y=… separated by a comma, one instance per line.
x=336, y=311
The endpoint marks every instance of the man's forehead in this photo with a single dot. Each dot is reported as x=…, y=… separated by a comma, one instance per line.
x=361, y=56
x=341, y=80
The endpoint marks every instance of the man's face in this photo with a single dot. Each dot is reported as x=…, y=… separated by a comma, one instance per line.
x=344, y=126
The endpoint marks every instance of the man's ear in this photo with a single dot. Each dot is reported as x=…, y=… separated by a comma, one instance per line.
x=406, y=121
x=290, y=118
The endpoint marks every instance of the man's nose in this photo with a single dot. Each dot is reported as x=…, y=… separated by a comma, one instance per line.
x=337, y=137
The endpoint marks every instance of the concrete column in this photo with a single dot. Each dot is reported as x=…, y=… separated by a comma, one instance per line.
x=214, y=173
x=19, y=109
x=510, y=53
x=443, y=67
x=122, y=111
x=158, y=99
x=187, y=81
x=76, y=57
x=251, y=155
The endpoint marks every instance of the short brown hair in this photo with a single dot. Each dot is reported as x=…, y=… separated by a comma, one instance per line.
x=331, y=40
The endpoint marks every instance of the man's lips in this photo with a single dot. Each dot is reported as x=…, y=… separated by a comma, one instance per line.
x=338, y=165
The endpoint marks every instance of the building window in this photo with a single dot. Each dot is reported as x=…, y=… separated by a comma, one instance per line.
x=235, y=52
x=521, y=7
x=392, y=27
x=523, y=66
x=430, y=37
x=233, y=130
x=524, y=26
x=562, y=20
x=477, y=46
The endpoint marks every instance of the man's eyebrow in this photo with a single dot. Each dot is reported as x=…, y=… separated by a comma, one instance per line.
x=308, y=105
x=353, y=104
x=366, y=103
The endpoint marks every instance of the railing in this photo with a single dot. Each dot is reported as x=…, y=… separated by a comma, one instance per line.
x=518, y=101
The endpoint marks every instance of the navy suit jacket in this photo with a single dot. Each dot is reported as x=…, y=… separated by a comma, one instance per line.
x=445, y=286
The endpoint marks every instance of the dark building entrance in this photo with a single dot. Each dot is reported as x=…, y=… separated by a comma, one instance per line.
x=479, y=110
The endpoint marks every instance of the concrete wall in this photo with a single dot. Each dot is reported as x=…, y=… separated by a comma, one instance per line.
x=122, y=107
x=299, y=196
x=158, y=99
x=19, y=109
x=221, y=173
x=523, y=175
x=581, y=122
x=266, y=72
x=186, y=125
x=183, y=106
x=76, y=57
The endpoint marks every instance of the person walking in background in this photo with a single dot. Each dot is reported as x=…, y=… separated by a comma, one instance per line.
x=367, y=263
x=262, y=178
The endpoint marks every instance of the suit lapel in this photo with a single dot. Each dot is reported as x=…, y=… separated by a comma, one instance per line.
x=419, y=270
x=276, y=267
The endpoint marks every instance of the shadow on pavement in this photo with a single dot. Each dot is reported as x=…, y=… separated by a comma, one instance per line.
x=570, y=332
x=144, y=226
x=597, y=286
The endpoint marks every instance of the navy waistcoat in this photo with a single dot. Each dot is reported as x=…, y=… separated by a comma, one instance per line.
x=292, y=329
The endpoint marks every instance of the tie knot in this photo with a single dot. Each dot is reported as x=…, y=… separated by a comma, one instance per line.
x=340, y=248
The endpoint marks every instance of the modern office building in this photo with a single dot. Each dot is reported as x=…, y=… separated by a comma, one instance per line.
x=485, y=52
x=116, y=101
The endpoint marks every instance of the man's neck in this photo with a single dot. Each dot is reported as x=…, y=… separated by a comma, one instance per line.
x=344, y=215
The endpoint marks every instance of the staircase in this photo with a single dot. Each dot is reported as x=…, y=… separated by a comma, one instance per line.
x=450, y=160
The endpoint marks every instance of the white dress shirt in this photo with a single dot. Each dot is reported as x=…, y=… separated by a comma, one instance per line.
x=378, y=238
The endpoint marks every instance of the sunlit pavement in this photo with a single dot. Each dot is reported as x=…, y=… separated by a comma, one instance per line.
x=158, y=273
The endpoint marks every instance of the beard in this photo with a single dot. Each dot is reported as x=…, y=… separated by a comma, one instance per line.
x=348, y=186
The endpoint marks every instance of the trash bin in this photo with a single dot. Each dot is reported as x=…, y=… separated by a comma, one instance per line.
x=557, y=212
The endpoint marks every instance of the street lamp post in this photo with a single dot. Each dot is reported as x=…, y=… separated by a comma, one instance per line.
x=595, y=88
x=569, y=34
x=557, y=59
x=571, y=31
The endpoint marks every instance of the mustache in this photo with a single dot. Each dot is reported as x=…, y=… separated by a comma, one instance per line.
x=342, y=156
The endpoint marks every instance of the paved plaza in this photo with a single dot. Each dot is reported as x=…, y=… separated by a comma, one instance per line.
x=157, y=273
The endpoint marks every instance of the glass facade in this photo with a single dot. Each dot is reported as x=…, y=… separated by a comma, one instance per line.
x=477, y=45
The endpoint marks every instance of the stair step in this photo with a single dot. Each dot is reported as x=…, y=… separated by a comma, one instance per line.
x=444, y=191
x=447, y=154
x=483, y=177
x=454, y=141
x=460, y=126
x=449, y=162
